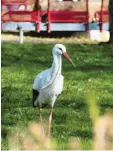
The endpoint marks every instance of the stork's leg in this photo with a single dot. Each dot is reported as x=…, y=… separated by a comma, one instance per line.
x=50, y=119
x=41, y=121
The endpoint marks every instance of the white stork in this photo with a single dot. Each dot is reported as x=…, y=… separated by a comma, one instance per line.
x=48, y=84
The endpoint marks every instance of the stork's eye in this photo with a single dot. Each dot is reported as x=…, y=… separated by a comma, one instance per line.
x=60, y=49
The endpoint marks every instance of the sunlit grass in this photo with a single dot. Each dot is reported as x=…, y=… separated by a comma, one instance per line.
x=71, y=118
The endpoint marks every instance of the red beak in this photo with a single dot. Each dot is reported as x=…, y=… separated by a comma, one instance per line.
x=65, y=54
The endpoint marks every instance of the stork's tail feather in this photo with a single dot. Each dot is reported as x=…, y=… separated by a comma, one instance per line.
x=35, y=95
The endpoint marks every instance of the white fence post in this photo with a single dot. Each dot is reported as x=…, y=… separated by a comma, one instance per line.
x=21, y=38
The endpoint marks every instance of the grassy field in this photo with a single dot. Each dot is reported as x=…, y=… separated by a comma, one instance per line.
x=93, y=73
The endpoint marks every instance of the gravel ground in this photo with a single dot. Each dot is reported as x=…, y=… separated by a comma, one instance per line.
x=78, y=37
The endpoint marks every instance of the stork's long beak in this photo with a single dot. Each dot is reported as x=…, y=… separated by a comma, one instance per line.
x=65, y=54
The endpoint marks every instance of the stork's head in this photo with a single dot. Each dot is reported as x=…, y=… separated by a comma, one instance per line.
x=60, y=49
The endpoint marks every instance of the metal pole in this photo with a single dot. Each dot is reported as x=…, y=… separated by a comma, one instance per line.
x=101, y=15
x=87, y=6
x=38, y=21
x=49, y=18
x=21, y=38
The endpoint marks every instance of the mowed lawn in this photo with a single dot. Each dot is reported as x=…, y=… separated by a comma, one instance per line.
x=71, y=118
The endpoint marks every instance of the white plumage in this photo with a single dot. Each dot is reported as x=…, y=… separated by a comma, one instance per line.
x=49, y=83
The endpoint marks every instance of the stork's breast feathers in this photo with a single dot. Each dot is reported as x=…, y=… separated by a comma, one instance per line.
x=57, y=86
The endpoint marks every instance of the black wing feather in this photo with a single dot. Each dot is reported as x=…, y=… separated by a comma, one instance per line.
x=35, y=95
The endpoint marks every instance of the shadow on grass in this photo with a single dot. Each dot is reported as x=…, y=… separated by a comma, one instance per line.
x=82, y=134
x=53, y=34
x=90, y=68
x=106, y=105
x=77, y=103
x=10, y=59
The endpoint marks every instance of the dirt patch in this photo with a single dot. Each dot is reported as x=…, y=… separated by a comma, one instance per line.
x=78, y=37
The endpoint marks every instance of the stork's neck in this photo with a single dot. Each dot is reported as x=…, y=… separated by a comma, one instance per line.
x=57, y=64
x=55, y=69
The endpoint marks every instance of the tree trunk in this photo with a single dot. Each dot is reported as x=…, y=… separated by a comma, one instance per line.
x=111, y=21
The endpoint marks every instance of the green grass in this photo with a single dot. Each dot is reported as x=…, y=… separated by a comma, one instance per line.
x=93, y=72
